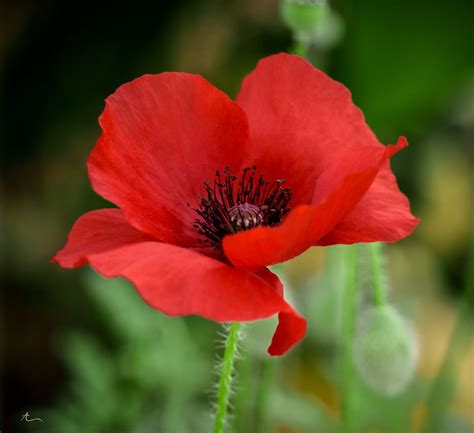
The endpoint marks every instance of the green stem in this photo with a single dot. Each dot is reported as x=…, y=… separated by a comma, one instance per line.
x=226, y=375
x=444, y=384
x=267, y=371
x=243, y=399
x=348, y=328
x=300, y=48
x=380, y=292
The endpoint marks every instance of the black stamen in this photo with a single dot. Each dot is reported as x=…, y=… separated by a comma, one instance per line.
x=252, y=203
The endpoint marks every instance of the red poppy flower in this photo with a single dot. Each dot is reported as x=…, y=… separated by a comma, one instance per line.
x=210, y=191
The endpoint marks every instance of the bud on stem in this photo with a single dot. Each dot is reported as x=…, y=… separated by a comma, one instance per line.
x=385, y=350
x=303, y=16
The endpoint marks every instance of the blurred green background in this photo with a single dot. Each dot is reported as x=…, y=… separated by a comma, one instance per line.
x=86, y=354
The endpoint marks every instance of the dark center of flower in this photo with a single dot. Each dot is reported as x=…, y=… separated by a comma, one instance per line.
x=231, y=205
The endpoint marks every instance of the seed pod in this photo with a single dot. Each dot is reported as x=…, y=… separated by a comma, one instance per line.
x=385, y=350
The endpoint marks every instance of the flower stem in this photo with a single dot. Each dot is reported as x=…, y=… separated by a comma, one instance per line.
x=267, y=372
x=444, y=384
x=380, y=292
x=300, y=48
x=226, y=376
x=348, y=328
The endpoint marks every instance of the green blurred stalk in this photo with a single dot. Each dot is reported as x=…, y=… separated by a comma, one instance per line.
x=349, y=308
x=243, y=400
x=300, y=48
x=267, y=373
x=444, y=385
x=226, y=376
x=380, y=292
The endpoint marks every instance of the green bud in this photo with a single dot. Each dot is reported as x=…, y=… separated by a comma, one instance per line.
x=385, y=350
x=303, y=16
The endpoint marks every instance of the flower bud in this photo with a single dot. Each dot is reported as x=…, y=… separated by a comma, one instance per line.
x=303, y=16
x=385, y=350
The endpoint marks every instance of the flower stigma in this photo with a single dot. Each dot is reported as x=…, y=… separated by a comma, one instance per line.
x=230, y=205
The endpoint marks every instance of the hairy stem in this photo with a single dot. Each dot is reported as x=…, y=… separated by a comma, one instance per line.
x=348, y=328
x=378, y=283
x=226, y=376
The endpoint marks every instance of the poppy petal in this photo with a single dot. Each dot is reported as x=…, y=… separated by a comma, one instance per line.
x=382, y=215
x=96, y=232
x=180, y=281
x=162, y=137
x=337, y=192
x=291, y=327
x=299, y=120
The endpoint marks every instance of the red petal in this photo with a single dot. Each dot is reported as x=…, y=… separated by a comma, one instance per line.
x=299, y=120
x=96, y=232
x=291, y=327
x=337, y=192
x=179, y=281
x=382, y=215
x=163, y=136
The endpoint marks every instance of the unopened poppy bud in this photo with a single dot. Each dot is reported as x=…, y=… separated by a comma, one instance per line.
x=303, y=16
x=385, y=350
